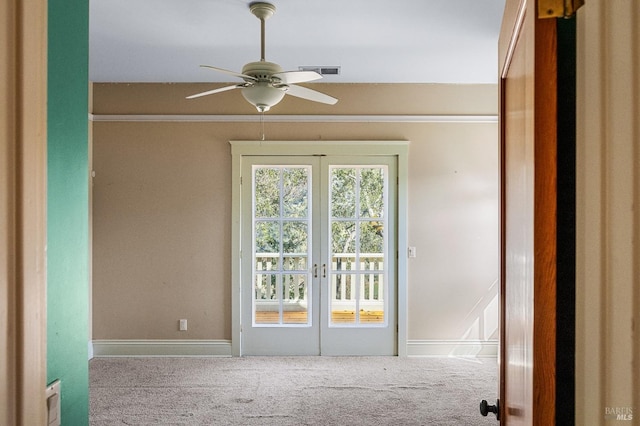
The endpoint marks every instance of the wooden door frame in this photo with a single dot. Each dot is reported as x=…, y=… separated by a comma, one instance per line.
x=400, y=149
x=23, y=120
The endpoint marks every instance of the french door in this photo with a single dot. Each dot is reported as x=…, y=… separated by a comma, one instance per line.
x=318, y=270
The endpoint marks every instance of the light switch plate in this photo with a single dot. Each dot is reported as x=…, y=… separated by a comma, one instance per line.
x=53, y=403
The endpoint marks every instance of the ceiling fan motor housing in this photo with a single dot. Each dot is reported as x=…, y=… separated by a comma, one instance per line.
x=261, y=70
x=263, y=94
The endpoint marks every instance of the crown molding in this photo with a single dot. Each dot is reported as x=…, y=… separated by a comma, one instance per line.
x=249, y=118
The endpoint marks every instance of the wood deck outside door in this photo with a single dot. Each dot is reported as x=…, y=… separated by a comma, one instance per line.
x=537, y=198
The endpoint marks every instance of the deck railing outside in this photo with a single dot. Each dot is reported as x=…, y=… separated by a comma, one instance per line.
x=344, y=273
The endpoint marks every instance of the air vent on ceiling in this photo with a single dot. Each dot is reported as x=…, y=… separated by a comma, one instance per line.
x=327, y=70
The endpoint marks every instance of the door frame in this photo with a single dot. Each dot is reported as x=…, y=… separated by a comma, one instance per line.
x=23, y=227
x=242, y=148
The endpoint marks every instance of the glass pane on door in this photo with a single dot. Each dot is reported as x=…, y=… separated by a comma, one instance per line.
x=282, y=245
x=358, y=245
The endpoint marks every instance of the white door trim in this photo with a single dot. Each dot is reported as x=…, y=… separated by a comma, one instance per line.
x=370, y=148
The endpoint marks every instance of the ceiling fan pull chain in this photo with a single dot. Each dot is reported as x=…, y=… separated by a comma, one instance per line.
x=262, y=123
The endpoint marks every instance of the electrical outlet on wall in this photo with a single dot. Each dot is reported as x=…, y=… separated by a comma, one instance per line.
x=183, y=325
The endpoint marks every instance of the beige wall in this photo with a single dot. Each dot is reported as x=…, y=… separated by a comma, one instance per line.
x=162, y=203
x=453, y=223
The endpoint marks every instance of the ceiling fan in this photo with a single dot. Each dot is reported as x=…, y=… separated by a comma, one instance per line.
x=265, y=83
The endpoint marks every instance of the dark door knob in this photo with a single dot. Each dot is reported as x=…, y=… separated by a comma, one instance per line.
x=485, y=408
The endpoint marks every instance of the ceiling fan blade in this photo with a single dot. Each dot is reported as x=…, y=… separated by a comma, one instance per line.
x=292, y=77
x=311, y=95
x=233, y=73
x=211, y=92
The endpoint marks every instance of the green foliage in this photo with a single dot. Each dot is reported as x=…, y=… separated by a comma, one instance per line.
x=362, y=190
x=281, y=209
x=267, y=192
x=281, y=189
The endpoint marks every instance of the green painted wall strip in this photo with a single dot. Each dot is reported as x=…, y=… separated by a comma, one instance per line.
x=67, y=206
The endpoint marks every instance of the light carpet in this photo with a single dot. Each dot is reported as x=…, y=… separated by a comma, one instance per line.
x=291, y=391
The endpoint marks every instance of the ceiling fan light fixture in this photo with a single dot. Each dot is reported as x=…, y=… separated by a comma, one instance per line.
x=263, y=95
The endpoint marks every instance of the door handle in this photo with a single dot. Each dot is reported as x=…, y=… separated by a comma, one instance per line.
x=315, y=270
x=485, y=408
x=324, y=270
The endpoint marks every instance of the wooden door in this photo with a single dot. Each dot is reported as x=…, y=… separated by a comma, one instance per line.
x=536, y=349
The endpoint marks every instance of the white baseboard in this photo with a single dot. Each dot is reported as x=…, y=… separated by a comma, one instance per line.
x=453, y=348
x=160, y=348
x=222, y=348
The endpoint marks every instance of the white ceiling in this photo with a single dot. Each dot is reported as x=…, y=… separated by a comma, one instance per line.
x=373, y=41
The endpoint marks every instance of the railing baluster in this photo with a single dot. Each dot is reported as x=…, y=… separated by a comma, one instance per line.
x=374, y=280
x=380, y=288
x=258, y=283
x=332, y=285
x=305, y=289
x=361, y=284
x=343, y=286
x=334, y=280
